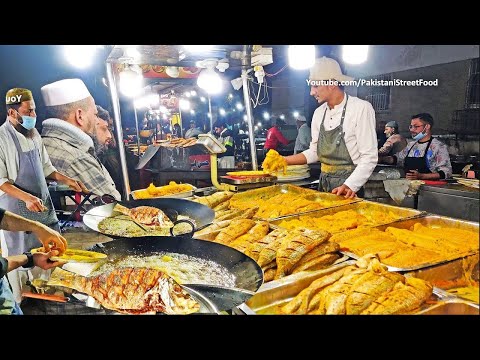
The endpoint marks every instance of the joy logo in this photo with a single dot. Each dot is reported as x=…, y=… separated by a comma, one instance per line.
x=13, y=99
x=199, y=164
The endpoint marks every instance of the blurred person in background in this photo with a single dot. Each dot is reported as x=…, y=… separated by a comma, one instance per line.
x=304, y=136
x=395, y=142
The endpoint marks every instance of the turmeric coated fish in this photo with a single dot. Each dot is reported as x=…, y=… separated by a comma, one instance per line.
x=131, y=290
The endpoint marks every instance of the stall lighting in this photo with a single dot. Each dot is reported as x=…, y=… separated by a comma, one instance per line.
x=282, y=117
x=354, y=54
x=301, y=57
x=266, y=115
x=131, y=51
x=245, y=118
x=202, y=99
x=222, y=111
x=259, y=124
x=187, y=94
x=193, y=93
x=184, y=104
x=192, y=112
x=209, y=115
x=295, y=114
x=210, y=81
x=130, y=82
x=80, y=56
x=230, y=96
x=239, y=106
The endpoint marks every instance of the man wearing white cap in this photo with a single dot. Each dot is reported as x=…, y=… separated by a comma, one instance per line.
x=304, y=136
x=343, y=133
x=71, y=118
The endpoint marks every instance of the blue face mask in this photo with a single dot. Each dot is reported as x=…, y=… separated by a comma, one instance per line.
x=28, y=121
x=419, y=136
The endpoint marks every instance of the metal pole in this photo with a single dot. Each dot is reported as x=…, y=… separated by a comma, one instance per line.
x=210, y=113
x=118, y=127
x=248, y=107
x=138, y=136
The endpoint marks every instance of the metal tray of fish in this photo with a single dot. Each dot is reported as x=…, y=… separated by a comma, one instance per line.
x=180, y=195
x=429, y=221
x=273, y=295
x=362, y=208
x=329, y=200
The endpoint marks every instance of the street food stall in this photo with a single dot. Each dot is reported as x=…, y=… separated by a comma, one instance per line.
x=251, y=244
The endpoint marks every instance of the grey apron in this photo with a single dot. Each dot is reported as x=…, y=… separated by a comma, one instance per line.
x=31, y=179
x=336, y=163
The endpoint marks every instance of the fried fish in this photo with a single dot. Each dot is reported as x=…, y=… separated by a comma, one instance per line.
x=130, y=290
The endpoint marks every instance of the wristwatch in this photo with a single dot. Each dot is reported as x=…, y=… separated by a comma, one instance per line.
x=29, y=263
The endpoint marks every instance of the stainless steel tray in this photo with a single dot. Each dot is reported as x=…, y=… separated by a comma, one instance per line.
x=361, y=208
x=180, y=195
x=277, y=293
x=429, y=220
x=268, y=192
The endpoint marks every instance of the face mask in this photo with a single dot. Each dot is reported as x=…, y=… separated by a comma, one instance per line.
x=28, y=121
x=420, y=135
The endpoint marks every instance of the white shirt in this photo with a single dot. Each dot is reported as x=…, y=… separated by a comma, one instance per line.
x=360, y=136
x=9, y=156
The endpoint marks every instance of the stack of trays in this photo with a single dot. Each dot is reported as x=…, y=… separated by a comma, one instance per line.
x=294, y=173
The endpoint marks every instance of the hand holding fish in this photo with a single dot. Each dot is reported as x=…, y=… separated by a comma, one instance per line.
x=50, y=239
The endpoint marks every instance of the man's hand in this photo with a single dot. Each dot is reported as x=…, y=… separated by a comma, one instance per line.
x=50, y=239
x=34, y=204
x=75, y=185
x=344, y=189
x=413, y=175
x=42, y=260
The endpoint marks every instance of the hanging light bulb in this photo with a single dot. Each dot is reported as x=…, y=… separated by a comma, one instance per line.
x=210, y=81
x=354, y=54
x=80, y=56
x=301, y=57
x=130, y=82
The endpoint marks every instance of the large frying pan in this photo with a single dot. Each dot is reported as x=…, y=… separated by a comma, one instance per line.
x=248, y=274
x=201, y=214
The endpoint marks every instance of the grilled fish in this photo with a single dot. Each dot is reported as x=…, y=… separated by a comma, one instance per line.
x=131, y=290
x=254, y=234
x=234, y=230
x=311, y=258
x=147, y=215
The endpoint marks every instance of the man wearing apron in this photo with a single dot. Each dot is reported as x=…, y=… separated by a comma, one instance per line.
x=12, y=222
x=24, y=165
x=424, y=158
x=344, y=139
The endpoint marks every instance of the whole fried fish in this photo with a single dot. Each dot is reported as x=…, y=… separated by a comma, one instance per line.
x=130, y=290
x=147, y=215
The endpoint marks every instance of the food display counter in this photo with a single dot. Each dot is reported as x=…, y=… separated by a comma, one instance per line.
x=453, y=200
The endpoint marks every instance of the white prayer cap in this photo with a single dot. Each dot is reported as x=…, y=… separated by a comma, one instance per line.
x=64, y=92
x=301, y=118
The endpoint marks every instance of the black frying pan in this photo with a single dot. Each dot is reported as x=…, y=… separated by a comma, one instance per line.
x=248, y=274
x=201, y=214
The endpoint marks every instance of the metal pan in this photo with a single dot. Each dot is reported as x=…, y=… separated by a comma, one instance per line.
x=201, y=214
x=248, y=275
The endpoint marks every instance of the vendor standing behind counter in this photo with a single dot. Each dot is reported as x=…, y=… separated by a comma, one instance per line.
x=343, y=133
x=424, y=158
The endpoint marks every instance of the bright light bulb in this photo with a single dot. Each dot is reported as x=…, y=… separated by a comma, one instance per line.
x=192, y=112
x=266, y=115
x=354, y=54
x=187, y=94
x=259, y=124
x=193, y=93
x=282, y=117
x=130, y=82
x=301, y=57
x=222, y=111
x=202, y=99
x=131, y=51
x=80, y=56
x=295, y=114
x=239, y=106
x=245, y=118
x=210, y=81
x=184, y=104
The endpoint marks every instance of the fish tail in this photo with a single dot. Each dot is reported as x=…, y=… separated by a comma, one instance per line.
x=122, y=209
x=64, y=278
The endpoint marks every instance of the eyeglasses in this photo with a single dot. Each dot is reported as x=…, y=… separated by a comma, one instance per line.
x=415, y=126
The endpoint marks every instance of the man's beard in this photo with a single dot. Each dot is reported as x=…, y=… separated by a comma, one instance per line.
x=99, y=148
x=27, y=133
